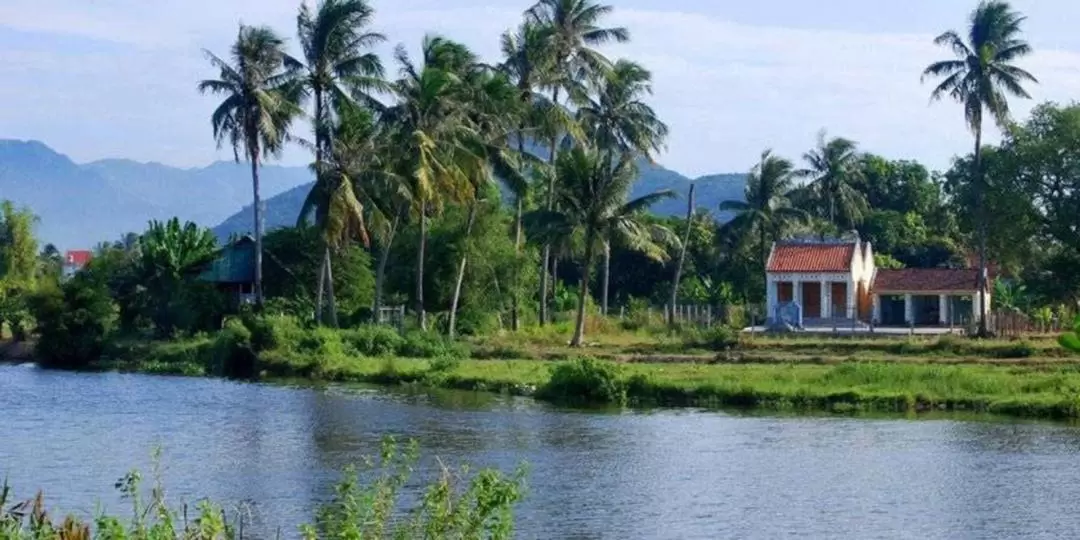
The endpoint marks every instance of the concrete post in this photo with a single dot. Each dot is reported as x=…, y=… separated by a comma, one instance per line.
x=826, y=301
x=943, y=309
x=909, y=310
x=876, y=308
x=852, y=299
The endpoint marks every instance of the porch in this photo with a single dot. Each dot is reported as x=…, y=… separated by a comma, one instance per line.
x=819, y=299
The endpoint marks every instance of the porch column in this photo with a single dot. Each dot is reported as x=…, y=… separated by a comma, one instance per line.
x=943, y=309
x=773, y=294
x=826, y=307
x=976, y=300
x=852, y=299
x=796, y=291
x=876, y=316
x=909, y=309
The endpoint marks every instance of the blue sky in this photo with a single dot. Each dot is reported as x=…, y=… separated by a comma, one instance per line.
x=116, y=78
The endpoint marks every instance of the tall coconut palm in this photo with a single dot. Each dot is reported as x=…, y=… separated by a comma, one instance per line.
x=981, y=77
x=430, y=124
x=615, y=118
x=592, y=193
x=336, y=201
x=527, y=62
x=337, y=66
x=766, y=212
x=260, y=102
x=833, y=170
x=576, y=28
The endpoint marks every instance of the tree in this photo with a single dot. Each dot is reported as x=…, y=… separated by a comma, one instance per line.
x=333, y=201
x=592, y=193
x=766, y=213
x=575, y=30
x=527, y=62
x=337, y=67
x=18, y=265
x=618, y=120
x=260, y=102
x=169, y=251
x=981, y=78
x=429, y=126
x=833, y=171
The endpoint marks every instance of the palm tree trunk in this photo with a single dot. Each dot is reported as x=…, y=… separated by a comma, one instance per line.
x=607, y=279
x=682, y=257
x=515, y=318
x=380, y=270
x=583, y=291
x=319, y=295
x=980, y=205
x=461, y=271
x=554, y=277
x=550, y=205
x=254, y=155
x=330, y=287
x=421, y=317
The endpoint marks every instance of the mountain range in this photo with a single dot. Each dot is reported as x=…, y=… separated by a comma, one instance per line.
x=80, y=205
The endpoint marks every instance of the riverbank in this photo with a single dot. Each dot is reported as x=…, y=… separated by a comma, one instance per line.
x=1021, y=379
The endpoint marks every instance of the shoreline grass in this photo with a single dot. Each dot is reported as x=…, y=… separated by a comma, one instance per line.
x=1029, y=391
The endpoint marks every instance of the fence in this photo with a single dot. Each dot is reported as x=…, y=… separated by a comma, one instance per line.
x=695, y=314
x=392, y=316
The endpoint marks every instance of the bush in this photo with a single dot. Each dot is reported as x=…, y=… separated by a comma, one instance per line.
x=429, y=345
x=233, y=354
x=74, y=322
x=585, y=381
x=373, y=340
x=273, y=331
x=713, y=337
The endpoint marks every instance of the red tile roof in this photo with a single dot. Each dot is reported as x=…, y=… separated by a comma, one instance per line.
x=810, y=257
x=926, y=279
x=78, y=258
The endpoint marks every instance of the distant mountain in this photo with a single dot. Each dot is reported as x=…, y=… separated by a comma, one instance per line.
x=81, y=205
x=282, y=210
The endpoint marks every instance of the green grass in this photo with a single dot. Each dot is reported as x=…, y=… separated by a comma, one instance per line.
x=1019, y=378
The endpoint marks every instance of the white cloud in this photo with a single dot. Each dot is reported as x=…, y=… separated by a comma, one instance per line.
x=728, y=90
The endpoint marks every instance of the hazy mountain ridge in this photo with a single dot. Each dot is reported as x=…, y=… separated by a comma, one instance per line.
x=284, y=209
x=79, y=205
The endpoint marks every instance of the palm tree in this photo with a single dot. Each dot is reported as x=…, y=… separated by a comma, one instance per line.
x=981, y=78
x=260, y=102
x=766, y=210
x=592, y=192
x=333, y=201
x=833, y=169
x=527, y=62
x=429, y=125
x=575, y=29
x=618, y=120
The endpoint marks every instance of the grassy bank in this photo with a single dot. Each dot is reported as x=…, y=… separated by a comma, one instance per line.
x=1039, y=384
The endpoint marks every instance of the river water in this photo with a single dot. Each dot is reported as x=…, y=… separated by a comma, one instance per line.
x=657, y=474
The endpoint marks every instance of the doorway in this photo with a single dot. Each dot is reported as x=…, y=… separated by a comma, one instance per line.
x=811, y=300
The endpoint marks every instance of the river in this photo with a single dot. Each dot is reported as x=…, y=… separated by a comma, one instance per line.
x=651, y=474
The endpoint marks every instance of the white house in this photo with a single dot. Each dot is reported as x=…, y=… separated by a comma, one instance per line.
x=836, y=281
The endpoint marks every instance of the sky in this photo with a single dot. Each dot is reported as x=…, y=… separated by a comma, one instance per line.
x=98, y=79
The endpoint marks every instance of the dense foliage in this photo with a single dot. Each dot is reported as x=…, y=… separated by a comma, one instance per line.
x=495, y=197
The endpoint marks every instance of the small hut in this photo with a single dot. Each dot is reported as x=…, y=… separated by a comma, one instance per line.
x=232, y=271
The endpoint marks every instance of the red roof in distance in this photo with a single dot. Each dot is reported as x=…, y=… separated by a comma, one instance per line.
x=811, y=257
x=78, y=258
x=926, y=280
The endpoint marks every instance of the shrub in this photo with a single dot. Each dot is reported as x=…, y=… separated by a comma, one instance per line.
x=429, y=345
x=321, y=341
x=713, y=337
x=233, y=354
x=373, y=340
x=585, y=381
x=74, y=322
x=273, y=331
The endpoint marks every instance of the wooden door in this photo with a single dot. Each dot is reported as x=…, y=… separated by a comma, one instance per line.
x=785, y=292
x=839, y=300
x=811, y=300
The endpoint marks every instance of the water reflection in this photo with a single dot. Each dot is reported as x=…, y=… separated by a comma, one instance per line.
x=657, y=474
